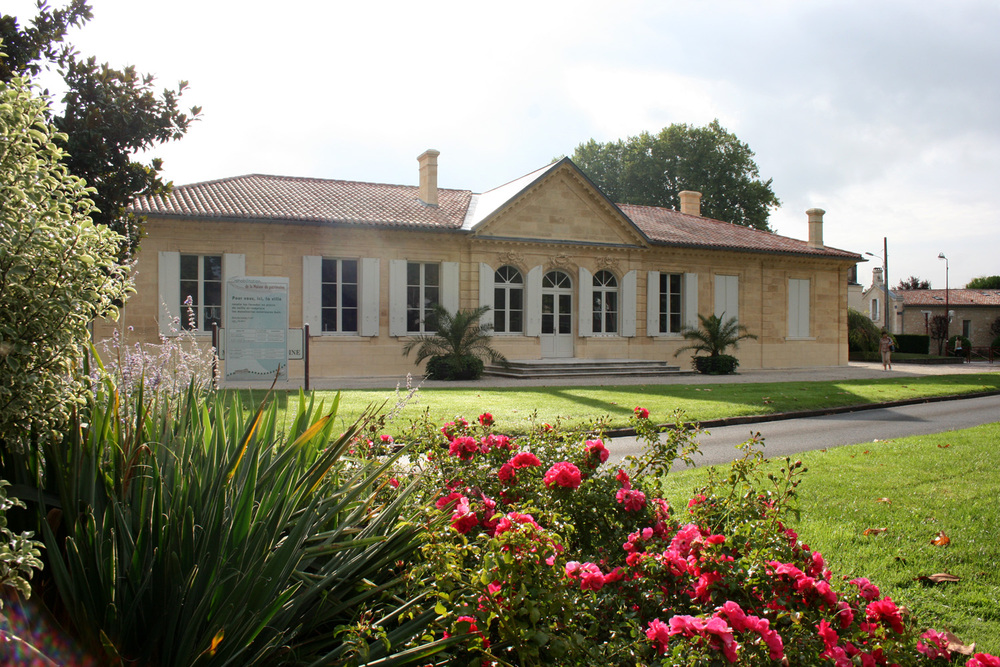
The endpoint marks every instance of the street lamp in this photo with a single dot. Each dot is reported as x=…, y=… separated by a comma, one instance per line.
x=947, y=313
x=885, y=279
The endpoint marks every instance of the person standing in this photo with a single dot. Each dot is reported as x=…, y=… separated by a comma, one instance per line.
x=885, y=348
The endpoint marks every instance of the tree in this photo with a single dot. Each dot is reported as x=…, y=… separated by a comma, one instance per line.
x=459, y=346
x=939, y=331
x=58, y=271
x=651, y=170
x=108, y=115
x=714, y=337
x=912, y=283
x=984, y=282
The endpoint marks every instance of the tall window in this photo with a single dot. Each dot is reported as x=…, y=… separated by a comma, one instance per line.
x=339, y=284
x=967, y=328
x=874, y=311
x=557, y=303
x=508, y=300
x=201, y=292
x=670, y=302
x=423, y=292
x=798, y=308
x=605, y=303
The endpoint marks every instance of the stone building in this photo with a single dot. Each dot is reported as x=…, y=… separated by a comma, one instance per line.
x=566, y=272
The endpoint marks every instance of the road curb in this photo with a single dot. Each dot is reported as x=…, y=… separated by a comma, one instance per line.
x=781, y=416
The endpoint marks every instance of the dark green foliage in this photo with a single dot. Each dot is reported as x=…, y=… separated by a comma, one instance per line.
x=984, y=282
x=722, y=364
x=959, y=346
x=939, y=331
x=913, y=343
x=995, y=345
x=995, y=327
x=714, y=337
x=651, y=170
x=109, y=115
x=466, y=367
x=862, y=334
x=912, y=283
x=458, y=337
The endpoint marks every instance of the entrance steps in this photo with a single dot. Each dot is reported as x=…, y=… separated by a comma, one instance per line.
x=583, y=368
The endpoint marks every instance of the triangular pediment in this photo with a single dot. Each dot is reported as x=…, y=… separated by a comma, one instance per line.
x=560, y=205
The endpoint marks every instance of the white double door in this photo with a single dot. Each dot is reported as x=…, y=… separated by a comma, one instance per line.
x=557, y=315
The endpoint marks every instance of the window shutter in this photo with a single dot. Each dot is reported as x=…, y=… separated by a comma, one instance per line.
x=233, y=266
x=170, y=291
x=533, y=303
x=798, y=308
x=727, y=290
x=628, y=304
x=691, y=300
x=586, y=319
x=652, y=303
x=369, y=298
x=449, y=286
x=312, y=289
x=486, y=275
x=397, y=297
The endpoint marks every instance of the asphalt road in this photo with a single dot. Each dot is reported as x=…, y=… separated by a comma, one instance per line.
x=792, y=436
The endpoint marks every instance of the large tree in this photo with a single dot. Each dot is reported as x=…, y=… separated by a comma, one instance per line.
x=912, y=283
x=108, y=115
x=651, y=170
x=984, y=282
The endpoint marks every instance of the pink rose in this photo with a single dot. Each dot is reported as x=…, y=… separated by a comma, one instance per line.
x=563, y=474
x=634, y=501
x=486, y=419
x=641, y=413
x=594, y=453
x=463, y=447
x=524, y=460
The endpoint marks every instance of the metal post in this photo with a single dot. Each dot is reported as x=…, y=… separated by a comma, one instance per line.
x=885, y=281
x=305, y=354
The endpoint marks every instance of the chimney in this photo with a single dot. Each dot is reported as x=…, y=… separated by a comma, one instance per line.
x=877, y=276
x=690, y=202
x=429, y=176
x=815, y=227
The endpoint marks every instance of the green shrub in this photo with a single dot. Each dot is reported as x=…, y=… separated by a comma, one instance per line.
x=465, y=367
x=194, y=532
x=862, y=334
x=722, y=364
x=959, y=346
x=995, y=345
x=913, y=343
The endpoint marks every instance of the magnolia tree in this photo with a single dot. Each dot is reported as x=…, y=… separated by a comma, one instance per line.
x=58, y=271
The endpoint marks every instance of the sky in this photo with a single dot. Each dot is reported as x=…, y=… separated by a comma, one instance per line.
x=885, y=114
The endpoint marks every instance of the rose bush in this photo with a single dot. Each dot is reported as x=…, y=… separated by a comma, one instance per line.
x=554, y=558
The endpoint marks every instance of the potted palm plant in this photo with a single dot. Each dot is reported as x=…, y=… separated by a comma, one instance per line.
x=714, y=337
x=458, y=348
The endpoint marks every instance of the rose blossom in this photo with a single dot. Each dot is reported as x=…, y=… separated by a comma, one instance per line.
x=641, y=413
x=463, y=447
x=563, y=474
x=486, y=419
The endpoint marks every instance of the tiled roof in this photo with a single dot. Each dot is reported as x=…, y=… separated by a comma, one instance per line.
x=669, y=227
x=286, y=199
x=280, y=198
x=956, y=297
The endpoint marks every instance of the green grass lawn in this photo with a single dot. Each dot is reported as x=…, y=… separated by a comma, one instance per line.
x=914, y=488
x=515, y=408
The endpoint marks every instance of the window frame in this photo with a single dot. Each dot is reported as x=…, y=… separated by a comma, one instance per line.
x=199, y=308
x=340, y=286
x=507, y=285
x=423, y=307
x=605, y=284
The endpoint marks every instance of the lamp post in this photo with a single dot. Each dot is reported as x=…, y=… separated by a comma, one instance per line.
x=885, y=280
x=947, y=313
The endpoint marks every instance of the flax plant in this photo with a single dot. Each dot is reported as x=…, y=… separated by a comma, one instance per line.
x=194, y=532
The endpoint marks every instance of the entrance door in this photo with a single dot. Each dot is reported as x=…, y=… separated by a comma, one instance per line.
x=557, y=315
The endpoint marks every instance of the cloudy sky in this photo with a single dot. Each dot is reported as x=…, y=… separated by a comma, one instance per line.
x=886, y=114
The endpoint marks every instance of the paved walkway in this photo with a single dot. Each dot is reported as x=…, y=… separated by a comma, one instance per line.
x=855, y=370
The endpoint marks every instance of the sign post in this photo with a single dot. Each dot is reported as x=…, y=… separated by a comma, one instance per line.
x=256, y=339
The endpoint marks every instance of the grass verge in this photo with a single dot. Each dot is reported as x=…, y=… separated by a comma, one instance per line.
x=518, y=408
x=906, y=493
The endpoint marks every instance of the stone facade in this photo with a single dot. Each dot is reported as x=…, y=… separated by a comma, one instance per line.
x=973, y=312
x=793, y=296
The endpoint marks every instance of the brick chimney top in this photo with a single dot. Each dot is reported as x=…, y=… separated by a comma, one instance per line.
x=429, y=176
x=690, y=202
x=815, y=227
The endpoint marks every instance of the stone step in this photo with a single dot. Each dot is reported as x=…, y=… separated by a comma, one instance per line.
x=545, y=368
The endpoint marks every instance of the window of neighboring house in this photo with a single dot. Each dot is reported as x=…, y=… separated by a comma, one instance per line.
x=201, y=292
x=967, y=329
x=874, y=310
x=423, y=292
x=508, y=300
x=671, y=299
x=927, y=321
x=339, y=285
x=798, y=308
x=605, y=297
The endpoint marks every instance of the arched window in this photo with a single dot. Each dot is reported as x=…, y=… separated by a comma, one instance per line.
x=508, y=300
x=605, y=303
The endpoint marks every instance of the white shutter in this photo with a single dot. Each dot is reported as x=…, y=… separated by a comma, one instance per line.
x=449, y=286
x=369, y=297
x=691, y=300
x=397, y=297
x=486, y=274
x=798, y=308
x=628, y=304
x=652, y=303
x=312, y=293
x=586, y=319
x=533, y=303
x=727, y=289
x=170, y=291
x=233, y=266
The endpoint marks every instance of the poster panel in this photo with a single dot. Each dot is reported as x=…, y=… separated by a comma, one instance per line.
x=256, y=329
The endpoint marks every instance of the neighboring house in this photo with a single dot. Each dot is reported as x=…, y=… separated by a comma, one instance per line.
x=566, y=272
x=972, y=312
x=873, y=303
